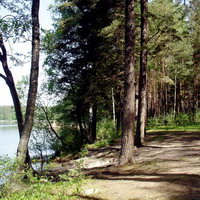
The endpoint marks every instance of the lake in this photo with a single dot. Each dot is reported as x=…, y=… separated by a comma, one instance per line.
x=9, y=139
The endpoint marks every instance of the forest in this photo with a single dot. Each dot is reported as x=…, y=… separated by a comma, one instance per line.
x=7, y=113
x=122, y=88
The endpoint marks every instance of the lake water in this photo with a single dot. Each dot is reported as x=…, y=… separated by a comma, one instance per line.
x=9, y=139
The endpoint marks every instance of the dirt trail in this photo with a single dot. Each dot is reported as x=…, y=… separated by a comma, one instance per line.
x=167, y=168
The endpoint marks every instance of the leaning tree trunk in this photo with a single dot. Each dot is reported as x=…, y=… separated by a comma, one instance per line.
x=33, y=85
x=128, y=121
x=142, y=102
x=10, y=82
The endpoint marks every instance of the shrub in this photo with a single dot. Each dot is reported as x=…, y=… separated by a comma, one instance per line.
x=17, y=187
x=106, y=130
x=71, y=141
x=197, y=116
x=181, y=119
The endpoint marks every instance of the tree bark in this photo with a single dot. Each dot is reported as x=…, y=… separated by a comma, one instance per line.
x=142, y=101
x=94, y=124
x=10, y=82
x=128, y=121
x=113, y=105
x=33, y=85
x=175, y=94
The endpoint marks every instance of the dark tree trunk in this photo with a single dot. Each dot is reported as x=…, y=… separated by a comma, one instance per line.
x=10, y=82
x=80, y=123
x=175, y=95
x=119, y=105
x=33, y=85
x=142, y=101
x=128, y=121
x=94, y=124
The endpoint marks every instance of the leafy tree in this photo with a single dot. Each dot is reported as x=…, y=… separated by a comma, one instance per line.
x=7, y=113
x=86, y=69
x=170, y=59
x=25, y=127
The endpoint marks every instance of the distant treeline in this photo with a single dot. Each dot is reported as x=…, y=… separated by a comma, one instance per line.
x=7, y=113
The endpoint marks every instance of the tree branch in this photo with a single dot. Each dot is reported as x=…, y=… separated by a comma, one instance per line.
x=3, y=49
x=3, y=77
x=49, y=123
x=153, y=36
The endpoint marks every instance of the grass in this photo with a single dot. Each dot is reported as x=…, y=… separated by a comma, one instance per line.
x=65, y=189
x=25, y=186
x=195, y=127
x=41, y=191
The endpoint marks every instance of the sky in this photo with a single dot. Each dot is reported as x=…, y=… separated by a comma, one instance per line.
x=19, y=71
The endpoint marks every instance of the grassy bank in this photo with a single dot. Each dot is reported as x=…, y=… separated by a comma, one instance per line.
x=26, y=186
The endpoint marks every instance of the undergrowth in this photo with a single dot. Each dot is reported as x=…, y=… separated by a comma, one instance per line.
x=181, y=121
x=25, y=186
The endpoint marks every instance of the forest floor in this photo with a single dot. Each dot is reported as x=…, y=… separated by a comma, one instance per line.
x=167, y=168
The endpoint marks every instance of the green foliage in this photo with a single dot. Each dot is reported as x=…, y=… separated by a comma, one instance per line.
x=106, y=130
x=25, y=186
x=181, y=119
x=79, y=49
x=71, y=140
x=75, y=177
x=84, y=151
x=106, y=133
x=7, y=113
x=44, y=189
x=197, y=116
x=7, y=167
x=22, y=89
x=12, y=180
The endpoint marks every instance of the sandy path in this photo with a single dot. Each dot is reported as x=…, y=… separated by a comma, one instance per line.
x=168, y=168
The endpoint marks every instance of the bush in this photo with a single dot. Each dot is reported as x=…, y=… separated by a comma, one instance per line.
x=71, y=141
x=7, y=168
x=181, y=119
x=10, y=180
x=106, y=131
x=197, y=116
x=24, y=185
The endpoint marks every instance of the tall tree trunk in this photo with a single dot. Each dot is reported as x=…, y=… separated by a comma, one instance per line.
x=113, y=105
x=33, y=85
x=128, y=121
x=10, y=82
x=142, y=101
x=118, y=111
x=94, y=124
x=175, y=94
x=80, y=123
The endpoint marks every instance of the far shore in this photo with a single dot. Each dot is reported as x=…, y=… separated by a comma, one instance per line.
x=2, y=122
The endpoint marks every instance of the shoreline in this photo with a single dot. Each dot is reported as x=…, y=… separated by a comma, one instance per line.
x=8, y=122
